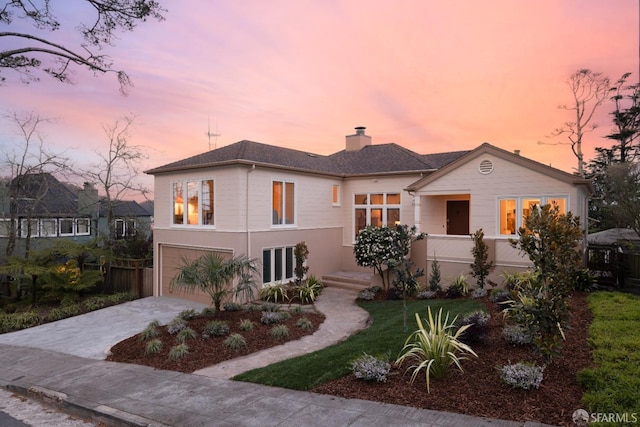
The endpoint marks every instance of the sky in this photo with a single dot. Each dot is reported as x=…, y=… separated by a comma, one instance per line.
x=432, y=76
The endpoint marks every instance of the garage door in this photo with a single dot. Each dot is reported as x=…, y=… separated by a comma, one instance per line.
x=170, y=260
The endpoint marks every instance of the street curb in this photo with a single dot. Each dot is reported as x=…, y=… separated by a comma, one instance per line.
x=101, y=413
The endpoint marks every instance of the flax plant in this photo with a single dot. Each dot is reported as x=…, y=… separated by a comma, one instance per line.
x=434, y=348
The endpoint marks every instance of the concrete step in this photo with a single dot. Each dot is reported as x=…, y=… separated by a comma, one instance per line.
x=347, y=280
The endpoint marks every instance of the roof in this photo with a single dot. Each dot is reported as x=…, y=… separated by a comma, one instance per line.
x=44, y=195
x=371, y=159
x=124, y=208
x=613, y=236
x=487, y=148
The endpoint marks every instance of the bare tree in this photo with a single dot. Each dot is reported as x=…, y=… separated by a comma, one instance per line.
x=27, y=50
x=589, y=91
x=22, y=161
x=118, y=168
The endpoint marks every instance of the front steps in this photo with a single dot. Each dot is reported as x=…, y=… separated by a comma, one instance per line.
x=352, y=280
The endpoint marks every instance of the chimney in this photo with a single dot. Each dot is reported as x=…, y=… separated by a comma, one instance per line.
x=359, y=140
x=88, y=200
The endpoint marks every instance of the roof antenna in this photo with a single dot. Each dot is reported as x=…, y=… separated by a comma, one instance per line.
x=209, y=134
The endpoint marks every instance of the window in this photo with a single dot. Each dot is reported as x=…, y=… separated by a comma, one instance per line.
x=376, y=209
x=124, y=228
x=509, y=219
x=66, y=227
x=193, y=202
x=48, y=227
x=277, y=265
x=83, y=227
x=5, y=226
x=29, y=227
x=336, y=195
x=283, y=203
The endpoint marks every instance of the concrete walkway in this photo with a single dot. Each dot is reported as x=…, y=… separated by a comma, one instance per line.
x=62, y=363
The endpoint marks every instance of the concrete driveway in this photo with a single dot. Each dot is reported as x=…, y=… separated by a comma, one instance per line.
x=91, y=335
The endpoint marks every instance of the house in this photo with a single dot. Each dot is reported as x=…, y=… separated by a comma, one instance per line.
x=260, y=200
x=47, y=210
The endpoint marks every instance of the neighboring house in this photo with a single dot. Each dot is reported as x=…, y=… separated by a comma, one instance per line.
x=129, y=217
x=48, y=210
x=260, y=200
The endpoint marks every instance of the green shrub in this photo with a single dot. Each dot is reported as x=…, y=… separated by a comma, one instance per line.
x=151, y=331
x=18, y=321
x=186, y=334
x=304, y=323
x=187, y=314
x=95, y=303
x=274, y=293
x=279, y=332
x=153, y=346
x=208, y=311
x=309, y=290
x=178, y=352
x=246, y=325
x=176, y=325
x=70, y=310
x=235, y=342
x=481, y=266
x=56, y=314
x=434, y=277
x=518, y=335
x=216, y=328
x=370, y=368
x=499, y=296
x=267, y=306
x=434, y=348
x=584, y=281
x=270, y=317
x=477, y=323
x=522, y=375
x=284, y=316
x=232, y=306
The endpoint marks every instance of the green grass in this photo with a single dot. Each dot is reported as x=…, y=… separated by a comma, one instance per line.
x=614, y=385
x=385, y=337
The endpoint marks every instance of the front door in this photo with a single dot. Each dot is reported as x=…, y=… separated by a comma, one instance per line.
x=458, y=217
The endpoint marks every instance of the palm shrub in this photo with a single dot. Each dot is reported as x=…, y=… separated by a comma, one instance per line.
x=308, y=290
x=481, y=266
x=213, y=274
x=435, y=348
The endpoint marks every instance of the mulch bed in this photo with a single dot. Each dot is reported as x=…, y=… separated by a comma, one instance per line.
x=479, y=391
x=204, y=352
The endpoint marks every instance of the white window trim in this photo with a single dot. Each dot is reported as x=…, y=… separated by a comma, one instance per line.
x=35, y=229
x=41, y=227
x=76, y=227
x=73, y=227
x=272, y=269
x=384, y=206
x=284, y=203
x=519, y=199
x=185, y=219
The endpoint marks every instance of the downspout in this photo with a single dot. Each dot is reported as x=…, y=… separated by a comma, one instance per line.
x=253, y=167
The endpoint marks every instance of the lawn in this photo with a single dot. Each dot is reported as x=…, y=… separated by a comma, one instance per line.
x=385, y=337
x=614, y=385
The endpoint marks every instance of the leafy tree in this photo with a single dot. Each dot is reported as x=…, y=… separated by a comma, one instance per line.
x=551, y=240
x=481, y=266
x=623, y=195
x=383, y=248
x=626, y=118
x=66, y=282
x=589, y=90
x=213, y=274
x=43, y=48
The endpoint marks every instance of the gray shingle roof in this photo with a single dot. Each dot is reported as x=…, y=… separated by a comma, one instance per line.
x=124, y=208
x=44, y=195
x=372, y=159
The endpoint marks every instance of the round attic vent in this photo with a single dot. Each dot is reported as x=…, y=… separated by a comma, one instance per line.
x=485, y=167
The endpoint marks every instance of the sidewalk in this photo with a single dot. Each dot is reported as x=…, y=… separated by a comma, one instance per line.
x=133, y=395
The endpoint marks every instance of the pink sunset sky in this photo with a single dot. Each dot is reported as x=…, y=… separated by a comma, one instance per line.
x=432, y=76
